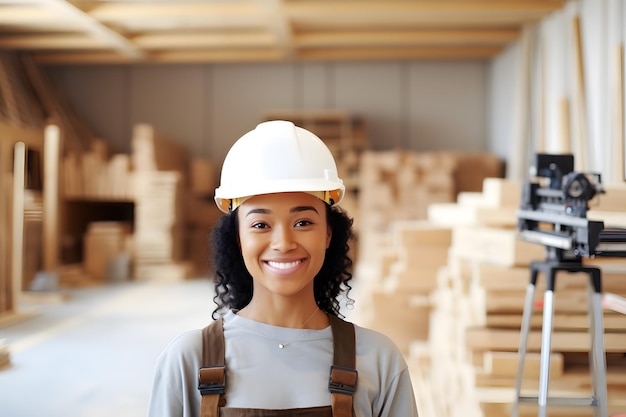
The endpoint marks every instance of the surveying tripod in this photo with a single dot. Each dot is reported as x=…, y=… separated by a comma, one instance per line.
x=597, y=361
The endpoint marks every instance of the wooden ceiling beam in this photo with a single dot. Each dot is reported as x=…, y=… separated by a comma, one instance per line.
x=177, y=56
x=406, y=37
x=93, y=27
x=346, y=54
x=275, y=55
x=181, y=14
x=52, y=42
x=296, y=8
x=431, y=13
x=266, y=30
x=27, y=15
x=280, y=26
x=250, y=39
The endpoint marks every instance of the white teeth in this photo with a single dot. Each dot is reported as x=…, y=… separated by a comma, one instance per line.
x=282, y=265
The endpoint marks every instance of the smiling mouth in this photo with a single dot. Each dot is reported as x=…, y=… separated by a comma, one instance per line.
x=284, y=265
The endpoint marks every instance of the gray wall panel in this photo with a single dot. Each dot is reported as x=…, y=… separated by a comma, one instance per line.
x=410, y=105
x=100, y=96
x=312, y=86
x=374, y=91
x=448, y=106
x=169, y=98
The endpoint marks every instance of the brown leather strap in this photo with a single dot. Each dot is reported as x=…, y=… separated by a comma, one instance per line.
x=213, y=353
x=343, y=374
x=212, y=375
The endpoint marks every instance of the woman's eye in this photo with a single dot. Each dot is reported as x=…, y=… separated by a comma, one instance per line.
x=259, y=226
x=303, y=223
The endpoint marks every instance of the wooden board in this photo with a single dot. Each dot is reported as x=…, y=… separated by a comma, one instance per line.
x=483, y=339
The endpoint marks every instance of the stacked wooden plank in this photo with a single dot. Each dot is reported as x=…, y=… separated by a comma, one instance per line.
x=402, y=185
x=97, y=174
x=160, y=176
x=397, y=185
x=477, y=310
x=201, y=214
x=401, y=301
x=107, y=244
x=33, y=237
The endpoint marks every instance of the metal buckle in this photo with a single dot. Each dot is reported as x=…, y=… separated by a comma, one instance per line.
x=211, y=388
x=340, y=388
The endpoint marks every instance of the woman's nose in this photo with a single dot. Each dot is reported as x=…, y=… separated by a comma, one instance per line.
x=283, y=239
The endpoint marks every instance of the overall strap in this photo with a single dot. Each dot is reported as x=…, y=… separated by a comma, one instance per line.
x=212, y=374
x=343, y=374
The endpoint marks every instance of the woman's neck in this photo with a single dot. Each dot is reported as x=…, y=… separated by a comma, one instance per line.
x=293, y=315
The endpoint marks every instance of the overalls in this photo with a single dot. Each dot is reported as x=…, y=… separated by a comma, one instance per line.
x=342, y=379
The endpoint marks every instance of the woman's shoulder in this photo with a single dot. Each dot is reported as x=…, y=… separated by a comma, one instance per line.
x=185, y=344
x=374, y=337
x=378, y=346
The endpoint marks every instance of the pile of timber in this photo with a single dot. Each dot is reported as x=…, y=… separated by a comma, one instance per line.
x=201, y=214
x=159, y=173
x=33, y=236
x=97, y=174
x=172, y=199
x=409, y=270
x=470, y=359
x=107, y=247
x=402, y=185
x=397, y=185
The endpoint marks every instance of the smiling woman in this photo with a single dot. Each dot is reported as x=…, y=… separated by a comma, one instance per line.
x=281, y=257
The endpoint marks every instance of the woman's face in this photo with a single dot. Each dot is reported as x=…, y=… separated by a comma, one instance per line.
x=283, y=240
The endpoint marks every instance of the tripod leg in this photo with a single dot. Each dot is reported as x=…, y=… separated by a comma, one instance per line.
x=546, y=338
x=597, y=359
x=525, y=328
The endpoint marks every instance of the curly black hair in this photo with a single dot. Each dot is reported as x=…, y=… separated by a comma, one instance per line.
x=233, y=282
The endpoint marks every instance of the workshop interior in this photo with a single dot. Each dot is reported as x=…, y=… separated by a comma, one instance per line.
x=482, y=145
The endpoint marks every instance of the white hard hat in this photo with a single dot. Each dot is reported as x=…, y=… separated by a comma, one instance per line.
x=277, y=157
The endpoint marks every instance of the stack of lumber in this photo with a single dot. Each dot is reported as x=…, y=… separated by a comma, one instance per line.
x=201, y=214
x=402, y=185
x=160, y=176
x=159, y=225
x=399, y=185
x=477, y=310
x=97, y=174
x=400, y=301
x=106, y=244
x=33, y=236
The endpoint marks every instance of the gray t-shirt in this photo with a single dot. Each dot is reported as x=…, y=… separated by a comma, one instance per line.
x=262, y=375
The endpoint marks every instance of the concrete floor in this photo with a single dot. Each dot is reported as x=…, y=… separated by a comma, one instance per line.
x=94, y=354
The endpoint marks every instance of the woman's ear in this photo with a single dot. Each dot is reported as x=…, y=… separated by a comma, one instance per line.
x=329, y=236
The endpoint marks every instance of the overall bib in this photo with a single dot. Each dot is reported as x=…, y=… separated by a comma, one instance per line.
x=341, y=384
